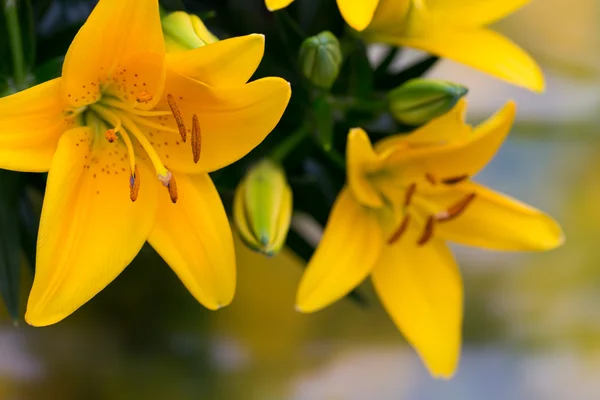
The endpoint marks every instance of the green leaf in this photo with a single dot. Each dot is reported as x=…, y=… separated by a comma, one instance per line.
x=10, y=249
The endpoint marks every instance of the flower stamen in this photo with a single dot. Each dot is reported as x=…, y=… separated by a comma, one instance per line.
x=454, y=180
x=196, y=139
x=410, y=192
x=427, y=231
x=456, y=209
x=430, y=178
x=177, y=115
x=400, y=231
x=134, y=184
x=110, y=135
x=144, y=97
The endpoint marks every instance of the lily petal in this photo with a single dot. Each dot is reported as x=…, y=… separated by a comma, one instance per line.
x=229, y=62
x=495, y=221
x=350, y=246
x=32, y=122
x=481, y=49
x=193, y=236
x=90, y=230
x=121, y=45
x=362, y=160
x=459, y=157
x=473, y=12
x=233, y=120
x=274, y=5
x=358, y=14
x=421, y=289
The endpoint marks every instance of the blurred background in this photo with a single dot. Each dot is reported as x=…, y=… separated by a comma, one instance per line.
x=532, y=325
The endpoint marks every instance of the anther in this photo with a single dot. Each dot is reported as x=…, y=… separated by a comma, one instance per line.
x=456, y=209
x=134, y=184
x=177, y=115
x=427, y=231
x=173, y=190
x=110, y=135
x=196, y=139
x=410, y=192
x=430, y=178
x=400, y=231
x=144, y=96
x=454, y=180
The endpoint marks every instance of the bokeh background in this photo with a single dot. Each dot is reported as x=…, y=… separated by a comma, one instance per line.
x=532, y=321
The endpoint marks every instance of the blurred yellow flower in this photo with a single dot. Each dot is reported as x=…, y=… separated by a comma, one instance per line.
x=456, y=29
x=106, y=130
x=183, y=31
x=405, y=198
x=358, y=14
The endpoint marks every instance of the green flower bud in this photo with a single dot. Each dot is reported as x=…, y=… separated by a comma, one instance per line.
x=262, y=208
x=420, y=100
x=183, y=31
x=321, y=59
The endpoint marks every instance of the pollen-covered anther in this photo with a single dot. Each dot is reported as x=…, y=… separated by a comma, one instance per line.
x=168, y=181
x=455, y=179
x=144, y=97
x=177, y=115
x=410, y=192
x=196, y=139
x=134, y=184
x=456, y=209
x=430, y=178
x=397, y=234
x=110, y=135
x=427, y=231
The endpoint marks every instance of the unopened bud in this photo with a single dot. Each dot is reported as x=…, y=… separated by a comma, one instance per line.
x=321, y=59
x=262, y=208
x=418, y=101
x=183, y=31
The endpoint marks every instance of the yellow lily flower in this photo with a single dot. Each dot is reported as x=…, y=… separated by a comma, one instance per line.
x=404, y=199
x=456, y=29
x=358, y=14
x=124, y=120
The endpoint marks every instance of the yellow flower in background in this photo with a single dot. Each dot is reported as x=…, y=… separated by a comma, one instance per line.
x=358, y=14
x=405, y=198
x=456, y=29
x=124, y=121
x=183, y=31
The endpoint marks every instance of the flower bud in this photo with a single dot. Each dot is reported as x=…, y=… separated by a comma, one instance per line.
x=321, y=59
x=420, y=100
x=262, y=208
x=183, y=31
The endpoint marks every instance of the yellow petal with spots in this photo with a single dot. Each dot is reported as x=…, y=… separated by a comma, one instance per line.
x=472, y=12
x=350, y=246
x=358, y=13
x=32, y=122
x=421, y=289
x=460, y=157
x=230, y=62
x=194, y=238
x=121, y=44
x=497, y=222
x=90, y=230
x=482, y=49
x=362, y=161
x=233, y=120
x=274, y=5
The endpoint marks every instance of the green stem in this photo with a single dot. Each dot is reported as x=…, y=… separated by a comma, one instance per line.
x=16, y=43
x=351, y=103
x=335, y=157
x=283, y=149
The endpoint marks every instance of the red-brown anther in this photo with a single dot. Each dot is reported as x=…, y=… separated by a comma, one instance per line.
x=410, y=192
x=455, y=180
x=110, y=135
x=134, y=184
x=427, y=231
x=144, y=96
x=196, y=138
x=177, y=115
x=456, y=209
x=430, y=178
x=172, y=186
x=400, y=231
